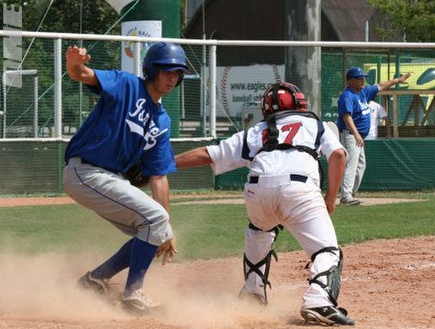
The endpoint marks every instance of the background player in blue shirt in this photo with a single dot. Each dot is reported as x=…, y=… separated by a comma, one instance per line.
x=127, y=127
x=354, y=124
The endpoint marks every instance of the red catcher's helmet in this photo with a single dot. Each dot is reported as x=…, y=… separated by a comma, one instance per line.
x=282, y=96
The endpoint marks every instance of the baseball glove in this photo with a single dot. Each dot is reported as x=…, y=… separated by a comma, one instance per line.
x=135, y=176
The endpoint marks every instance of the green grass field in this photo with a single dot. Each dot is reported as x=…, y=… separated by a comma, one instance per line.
x=202, y=230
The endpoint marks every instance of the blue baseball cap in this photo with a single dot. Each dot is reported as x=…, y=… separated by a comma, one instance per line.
x=355, y=72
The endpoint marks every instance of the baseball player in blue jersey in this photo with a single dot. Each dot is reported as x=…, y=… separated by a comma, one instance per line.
x=354, y=125
x=283, y=190
x=128, y=128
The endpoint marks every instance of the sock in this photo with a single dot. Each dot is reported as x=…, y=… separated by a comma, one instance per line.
x=115, y=264
x=142, y=254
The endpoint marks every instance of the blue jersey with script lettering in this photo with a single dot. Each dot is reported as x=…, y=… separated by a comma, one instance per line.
x=356, y=104
x=125, y=126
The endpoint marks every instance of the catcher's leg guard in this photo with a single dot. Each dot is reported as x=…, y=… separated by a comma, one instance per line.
x=332, y=283
x=256, y=261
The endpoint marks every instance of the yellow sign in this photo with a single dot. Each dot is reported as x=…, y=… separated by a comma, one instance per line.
x=422, y=74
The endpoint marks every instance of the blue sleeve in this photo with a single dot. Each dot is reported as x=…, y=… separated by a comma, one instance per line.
x=111, y=82
x=370, y=92
x=345, y=105
x=158, y=159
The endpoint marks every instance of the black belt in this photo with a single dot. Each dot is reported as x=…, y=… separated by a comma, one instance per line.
x=342, y=130
x=89, y=163
x=293, y=177
x=93, y=164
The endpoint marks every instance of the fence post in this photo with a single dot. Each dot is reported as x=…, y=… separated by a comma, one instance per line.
x=137, y=67
x=35, y=104
x=58, y=88
x=213, y=91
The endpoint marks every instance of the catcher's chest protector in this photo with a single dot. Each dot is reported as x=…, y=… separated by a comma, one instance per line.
x=273, y=133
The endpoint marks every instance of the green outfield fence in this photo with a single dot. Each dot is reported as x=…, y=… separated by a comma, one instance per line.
x=219, y=96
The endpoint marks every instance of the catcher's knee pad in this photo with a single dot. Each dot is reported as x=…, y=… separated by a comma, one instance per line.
x=332, y=285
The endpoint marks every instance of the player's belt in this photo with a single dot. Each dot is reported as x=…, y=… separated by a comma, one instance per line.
x=343, y=130
x=293, y=177
x=79, y=160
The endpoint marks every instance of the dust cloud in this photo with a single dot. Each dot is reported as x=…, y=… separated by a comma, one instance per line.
x=199, y=294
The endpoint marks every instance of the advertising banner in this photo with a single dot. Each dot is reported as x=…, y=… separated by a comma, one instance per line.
x=241, y=86
x=146, y=29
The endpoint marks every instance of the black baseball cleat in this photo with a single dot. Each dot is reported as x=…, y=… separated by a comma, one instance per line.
x=327, y=315
x=98, y=286
x=350, y=202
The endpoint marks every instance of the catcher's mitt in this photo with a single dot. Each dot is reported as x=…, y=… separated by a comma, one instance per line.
x=135, y=176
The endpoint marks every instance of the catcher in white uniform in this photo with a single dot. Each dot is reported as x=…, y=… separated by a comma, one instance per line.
x=283, y=190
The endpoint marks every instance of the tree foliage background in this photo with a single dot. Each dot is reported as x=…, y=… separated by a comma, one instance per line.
x=62, y=16
x=415, y=19
x=85, y=16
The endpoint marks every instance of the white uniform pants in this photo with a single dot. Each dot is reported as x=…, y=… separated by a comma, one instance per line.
x=301, y=209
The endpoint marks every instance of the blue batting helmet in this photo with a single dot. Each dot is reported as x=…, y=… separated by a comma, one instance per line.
x=355, y=72
x=164, y=56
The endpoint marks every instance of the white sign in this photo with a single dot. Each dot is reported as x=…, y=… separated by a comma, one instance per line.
x=147, y=29
x=239, y=86
x=12, y=45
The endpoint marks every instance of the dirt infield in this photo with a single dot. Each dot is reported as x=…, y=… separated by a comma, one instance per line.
x=385, y=284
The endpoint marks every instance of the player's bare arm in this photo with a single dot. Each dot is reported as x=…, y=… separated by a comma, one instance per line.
x=336, y=166
x=76, y=58
x=160, y=190
x=347, y=118
x=388, y=84
x=193, y=158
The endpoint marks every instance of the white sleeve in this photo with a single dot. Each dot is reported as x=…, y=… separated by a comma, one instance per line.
x=329, y=142
x=381, y=112
x=227, y=155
